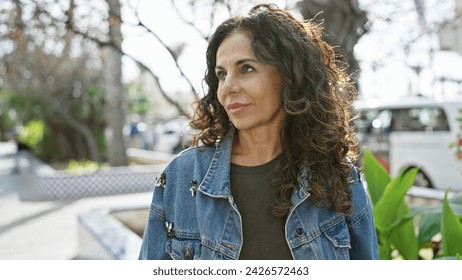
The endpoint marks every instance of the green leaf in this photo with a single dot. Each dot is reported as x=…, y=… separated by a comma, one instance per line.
x=390, y=215
x=423, y=210
x=388, y=209
x=376, y=176
x=429, y=226
x=384, y=246
x=456, y=207
x=405, y=241
x=403, y=235
x=451, y=231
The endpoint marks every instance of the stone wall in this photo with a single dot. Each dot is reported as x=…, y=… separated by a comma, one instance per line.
x=104, y=237
x=50, y=184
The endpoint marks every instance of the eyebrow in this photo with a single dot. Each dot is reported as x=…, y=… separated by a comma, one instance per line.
x=239, y=62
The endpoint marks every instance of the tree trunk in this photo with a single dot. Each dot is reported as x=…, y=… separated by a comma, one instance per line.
x=115, y=99
x=85, y=132
x=345, y=23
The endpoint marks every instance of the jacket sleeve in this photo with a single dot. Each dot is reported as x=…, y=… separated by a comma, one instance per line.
x=155, y=234
x=361, y=225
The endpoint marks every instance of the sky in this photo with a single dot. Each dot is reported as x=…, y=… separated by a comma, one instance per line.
x=385, y=65
x=384, y=43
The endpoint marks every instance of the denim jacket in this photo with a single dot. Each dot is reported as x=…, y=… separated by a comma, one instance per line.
x=193, y=215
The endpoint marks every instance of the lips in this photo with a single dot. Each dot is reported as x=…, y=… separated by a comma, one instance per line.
x=236, y=106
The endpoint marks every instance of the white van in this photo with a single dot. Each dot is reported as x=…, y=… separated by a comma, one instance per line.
x=415, y=132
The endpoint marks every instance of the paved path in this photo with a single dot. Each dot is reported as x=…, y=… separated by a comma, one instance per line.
x=32, y=229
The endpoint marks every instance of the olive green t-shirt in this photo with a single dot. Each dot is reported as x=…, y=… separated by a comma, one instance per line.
x=264, y=233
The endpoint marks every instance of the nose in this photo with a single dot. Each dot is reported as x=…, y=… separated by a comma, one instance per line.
x=229, y=85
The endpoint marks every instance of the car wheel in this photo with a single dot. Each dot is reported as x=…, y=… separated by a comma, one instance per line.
x=421, y=180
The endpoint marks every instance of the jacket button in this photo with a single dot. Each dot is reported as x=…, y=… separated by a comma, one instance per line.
x=299, y=232
x=187, y=255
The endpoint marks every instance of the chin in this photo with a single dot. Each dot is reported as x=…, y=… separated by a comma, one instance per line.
x=244, y=125
x=240, y=125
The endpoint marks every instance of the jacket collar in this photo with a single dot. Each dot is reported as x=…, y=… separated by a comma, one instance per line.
x=216, y=182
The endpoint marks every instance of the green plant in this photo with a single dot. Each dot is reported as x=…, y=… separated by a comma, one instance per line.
x=451, y=231
x=405, y=232
x=32, y=133
x=81, y=167
x=138, y=100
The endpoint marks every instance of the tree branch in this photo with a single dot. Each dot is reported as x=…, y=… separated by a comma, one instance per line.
x=70, y=26
x=170, y=50
x=190, y=23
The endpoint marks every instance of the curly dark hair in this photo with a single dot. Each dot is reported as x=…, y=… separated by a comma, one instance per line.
x=317, y=98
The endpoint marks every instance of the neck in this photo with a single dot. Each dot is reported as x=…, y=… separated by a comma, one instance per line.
x=252, y=148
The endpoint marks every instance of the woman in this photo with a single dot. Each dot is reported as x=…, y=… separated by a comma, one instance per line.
x=272, y=172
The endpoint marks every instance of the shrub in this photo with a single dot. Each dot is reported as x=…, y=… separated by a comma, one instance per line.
x=32, y=134
x=406, y=232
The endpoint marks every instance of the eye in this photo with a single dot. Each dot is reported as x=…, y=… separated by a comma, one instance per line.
x=247, y=69
x=221, y=75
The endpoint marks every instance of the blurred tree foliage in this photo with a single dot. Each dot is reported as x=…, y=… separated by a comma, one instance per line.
x=50, y=74
x=7, y=116
x=32, y=135
x=138, y=100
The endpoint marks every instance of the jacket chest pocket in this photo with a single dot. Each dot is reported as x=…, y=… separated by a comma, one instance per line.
x=330, y=244
x=338, y=235
x=193, y=249
x=184, y=249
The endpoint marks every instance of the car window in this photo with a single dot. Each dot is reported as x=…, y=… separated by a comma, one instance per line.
x=438, y=120
x=363, y=122
x=373, y=119
x=420, y=119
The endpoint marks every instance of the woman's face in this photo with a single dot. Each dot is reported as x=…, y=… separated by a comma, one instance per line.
x=249, y=91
